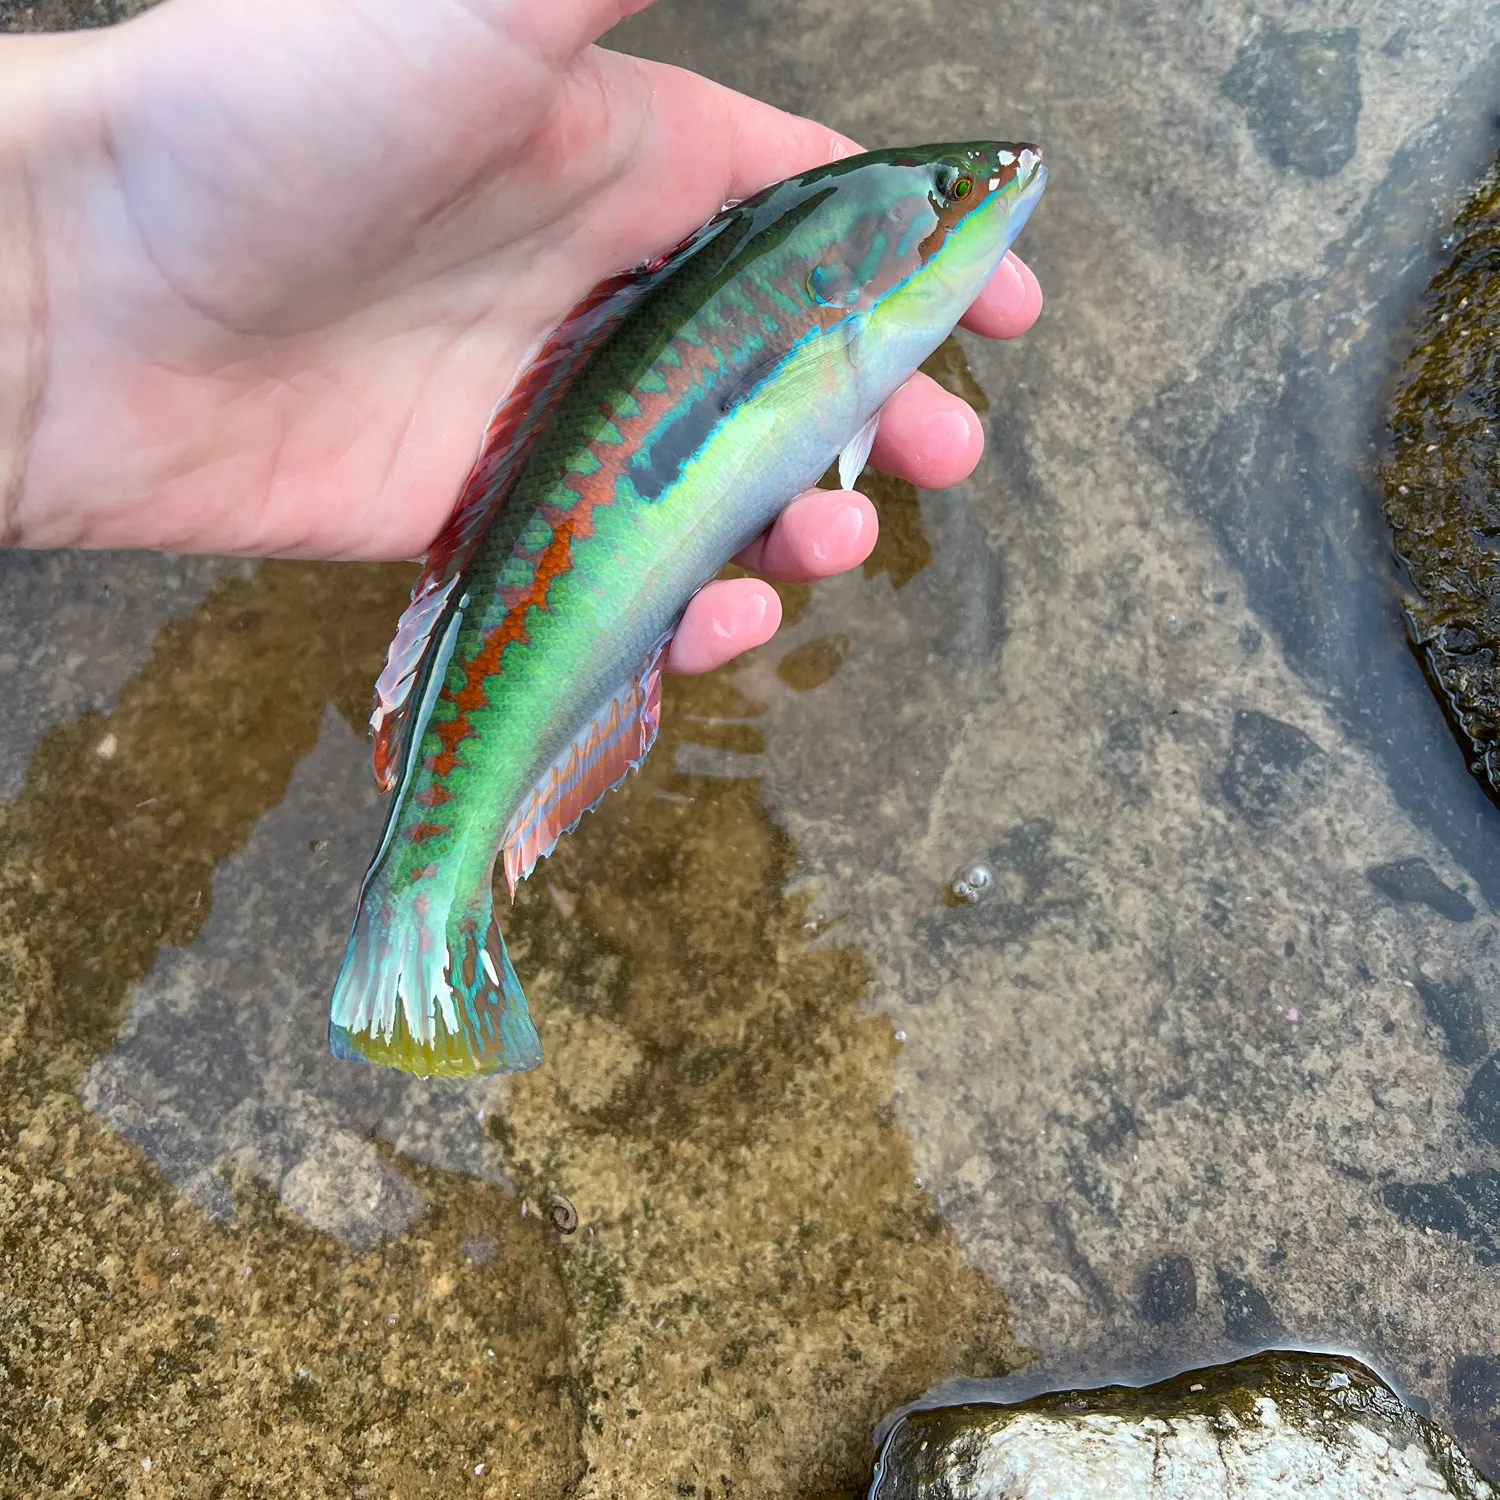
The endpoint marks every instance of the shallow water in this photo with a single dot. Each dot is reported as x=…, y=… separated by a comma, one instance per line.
x=1209, y=1065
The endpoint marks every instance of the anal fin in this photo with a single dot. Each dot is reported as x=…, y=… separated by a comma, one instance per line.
x=609, y=748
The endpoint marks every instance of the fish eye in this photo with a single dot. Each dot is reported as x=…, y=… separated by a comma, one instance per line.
x=956, y=184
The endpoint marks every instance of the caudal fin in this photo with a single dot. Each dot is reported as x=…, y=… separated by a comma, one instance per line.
x=430, y=991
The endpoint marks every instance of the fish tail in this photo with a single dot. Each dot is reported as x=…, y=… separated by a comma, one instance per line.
x=428, y=987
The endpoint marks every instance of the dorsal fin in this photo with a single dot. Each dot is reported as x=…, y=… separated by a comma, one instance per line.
x=512, y=430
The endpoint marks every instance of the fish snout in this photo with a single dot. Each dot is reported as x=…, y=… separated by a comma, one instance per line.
x=1020, y=161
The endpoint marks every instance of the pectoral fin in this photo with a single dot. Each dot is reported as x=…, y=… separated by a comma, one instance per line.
x=856, y=453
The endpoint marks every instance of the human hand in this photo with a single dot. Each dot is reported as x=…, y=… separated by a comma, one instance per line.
x=291, y=254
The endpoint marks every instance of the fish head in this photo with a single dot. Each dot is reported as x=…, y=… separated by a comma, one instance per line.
x=899, y=243
x=936, y=218
x=979, y=195
x=982, y=196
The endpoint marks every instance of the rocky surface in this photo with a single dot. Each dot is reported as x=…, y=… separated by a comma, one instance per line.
x=1278, y=1425
x=1209, y=1065
x=1441, y=483
x=688, y=1253
x=1209, y=1062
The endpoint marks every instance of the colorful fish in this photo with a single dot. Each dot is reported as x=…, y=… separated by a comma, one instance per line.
x=660, y=429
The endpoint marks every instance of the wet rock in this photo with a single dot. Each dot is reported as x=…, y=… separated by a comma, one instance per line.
x=1248, y=1318
x=1441, y=496
x=1122, y=759
x=1482, y=1100
x=1270, y=764
x=1413, y=881
x=1019, y=883
x=58, y=15
x=1300, y=94
x=1278, y=1424
x=1169, y=1290
x=1456, y=1012
x=102, y=612
x=220, y=1062
x=1474, y=1392
x=1467, y=1206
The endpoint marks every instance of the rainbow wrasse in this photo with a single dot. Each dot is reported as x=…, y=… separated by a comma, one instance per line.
x=659, y=430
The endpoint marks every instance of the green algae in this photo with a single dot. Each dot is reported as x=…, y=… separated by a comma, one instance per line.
x=1442, y=484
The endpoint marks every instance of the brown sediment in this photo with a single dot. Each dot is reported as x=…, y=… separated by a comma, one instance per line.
x=812, y=663
x=265, y=1359
x=150, y=1352
x=109, y=851
x=756, y=1278
x=902, y=549
x=1442, y=484
x=753, y=1280
x=949, y=366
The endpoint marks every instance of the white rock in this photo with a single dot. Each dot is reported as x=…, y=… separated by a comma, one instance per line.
x=1276, y=1425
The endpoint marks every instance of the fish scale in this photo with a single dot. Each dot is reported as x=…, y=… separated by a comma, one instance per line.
x=658, y=431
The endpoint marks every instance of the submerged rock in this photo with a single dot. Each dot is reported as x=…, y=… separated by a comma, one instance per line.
x=1442, y=483
x=1277, y=1424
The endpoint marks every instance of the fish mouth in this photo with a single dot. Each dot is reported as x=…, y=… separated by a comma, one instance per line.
x=1022, y=162
x=1020, y=178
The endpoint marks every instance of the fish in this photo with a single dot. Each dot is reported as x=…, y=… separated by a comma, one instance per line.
x=657, y=431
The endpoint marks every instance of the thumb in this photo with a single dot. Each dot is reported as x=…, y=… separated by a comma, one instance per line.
x=743, y=144
x=555, y=30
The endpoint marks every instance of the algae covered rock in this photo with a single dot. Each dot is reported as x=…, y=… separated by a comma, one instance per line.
x=1442, y=483
x=1275, y=1425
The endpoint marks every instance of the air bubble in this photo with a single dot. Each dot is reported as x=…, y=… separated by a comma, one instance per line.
x=973, y=884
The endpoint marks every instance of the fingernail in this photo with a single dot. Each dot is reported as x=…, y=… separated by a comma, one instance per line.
x=840, y=534
x=1010, y=280
x=944, y=435
x=746, y=616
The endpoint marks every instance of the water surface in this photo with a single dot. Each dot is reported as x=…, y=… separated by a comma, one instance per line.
x=1188, y=1079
